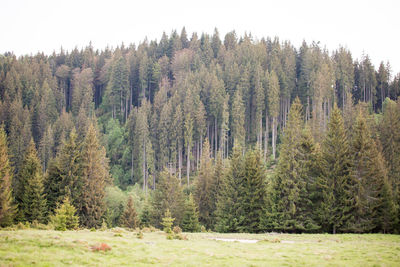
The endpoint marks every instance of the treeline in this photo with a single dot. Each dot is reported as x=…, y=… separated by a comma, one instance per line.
x=148, y=111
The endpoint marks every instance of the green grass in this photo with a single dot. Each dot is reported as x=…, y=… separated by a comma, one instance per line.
x=72, y=248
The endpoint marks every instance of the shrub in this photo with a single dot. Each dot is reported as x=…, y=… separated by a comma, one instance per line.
x=177, y=230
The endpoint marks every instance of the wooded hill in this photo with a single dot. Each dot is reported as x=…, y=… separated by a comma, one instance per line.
x=204, y=117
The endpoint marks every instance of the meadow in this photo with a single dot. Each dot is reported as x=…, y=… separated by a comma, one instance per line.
x=76, y=248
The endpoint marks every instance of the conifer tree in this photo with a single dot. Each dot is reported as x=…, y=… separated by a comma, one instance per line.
x=253, y=190
x=64, y=217
x=203, y=186
x=216, y=187
x=64, y=175
x=7, y=207
x=337, y=183
x=229, y=214
x=390, y=140
x=237, y=114
x=375, y=200
x=273, y=105
x=167, y=222
x=95, y=176
x=289, y=194
x=129, y=218
x=190, y=221
x=32, y=201
x=168, y=195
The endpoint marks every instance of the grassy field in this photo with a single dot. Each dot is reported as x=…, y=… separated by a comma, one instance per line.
x=51, y=248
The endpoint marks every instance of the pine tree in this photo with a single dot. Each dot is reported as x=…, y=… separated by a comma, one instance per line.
x=374, y=196
x=190, y=221
x=229, y=214
x=237, y=114
x=64, y=175
x=216, y=187
x=145, y=216
x=203, y=186
x=289, y=193
x=32, y=201
x=337, y=183
x=64, y=217
x=129, y=218
x=390, y=140
x=167, y=222
x=168, y=195
x=273, y=105
x=95, y=176
x=253, y=192
x=7, y=207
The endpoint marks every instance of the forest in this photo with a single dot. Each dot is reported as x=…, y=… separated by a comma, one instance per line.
x=230, y=134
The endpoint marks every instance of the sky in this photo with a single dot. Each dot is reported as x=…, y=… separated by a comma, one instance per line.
x=369, y=27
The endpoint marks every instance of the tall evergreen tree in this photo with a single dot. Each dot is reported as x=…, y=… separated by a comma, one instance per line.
x=95, y=176
x=32, y=201
x=190, y=220
x=253, y=192
x=374, y=197
x=289, y=196
x=337, y=183
x=203, y=186
x=129, y=217
x=168, y=195
x=229, y=214
x=7, y=207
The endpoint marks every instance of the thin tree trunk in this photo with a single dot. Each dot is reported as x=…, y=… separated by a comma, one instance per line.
x=266, y=136
x=273, y=137
x=180, y=163
x=188, y=165
x=144, y=166
x=216, y=137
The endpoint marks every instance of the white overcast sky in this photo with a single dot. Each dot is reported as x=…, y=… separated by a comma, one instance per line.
x=46, y=25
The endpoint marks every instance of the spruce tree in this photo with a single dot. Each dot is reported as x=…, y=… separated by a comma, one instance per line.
x=216, y=187
x=375, y=200
x=190, y=221
x=229, y=215
x=7, y=207
x=336, y=183
x=168, y=195
x=32, y=199
x=129, y=218
x=95, y=176
x=253, y=191
x=203, y=186
x=289, y=198
x=64, y=175
x=65, y=217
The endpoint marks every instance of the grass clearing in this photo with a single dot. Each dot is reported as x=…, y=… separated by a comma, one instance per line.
x=73, y=248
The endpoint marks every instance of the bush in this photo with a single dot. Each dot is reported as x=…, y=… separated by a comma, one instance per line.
x=65, y=218
x=140, y=235
x=177, y=230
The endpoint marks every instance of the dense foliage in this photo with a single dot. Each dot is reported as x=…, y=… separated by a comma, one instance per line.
x=255, y=135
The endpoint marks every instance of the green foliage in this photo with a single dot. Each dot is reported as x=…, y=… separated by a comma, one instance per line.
x=7, y=207
x=65, y=217
x=129, y=218
x=91, y=203
x=167, y=222
x=253, y=193
x=33, y=202
x=229, y=214
x=203, y=186
x=168, y=195
x=290, y=204
x=337, y=183
x=190, y=221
